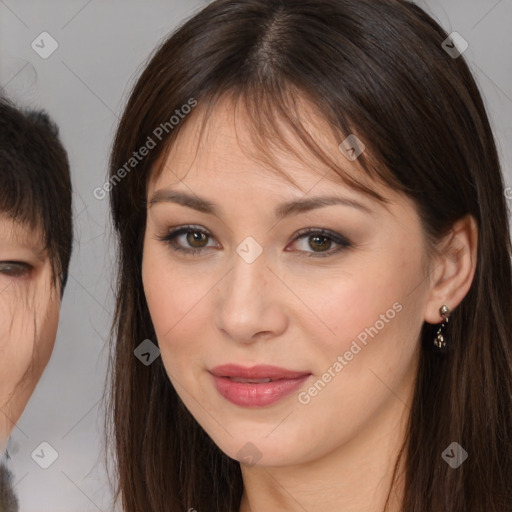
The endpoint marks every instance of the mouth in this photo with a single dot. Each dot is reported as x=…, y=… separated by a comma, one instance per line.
x=260, y=373
x=250, y=381
x=257, y=386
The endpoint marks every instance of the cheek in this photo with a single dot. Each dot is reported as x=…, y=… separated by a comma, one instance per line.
x=174, y=298
x=375, y=314
x=48, y=333
x=346, y=306
x=18, y=338
x=370, y=320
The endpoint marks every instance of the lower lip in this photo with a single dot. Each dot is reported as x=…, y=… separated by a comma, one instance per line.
x=257, y=395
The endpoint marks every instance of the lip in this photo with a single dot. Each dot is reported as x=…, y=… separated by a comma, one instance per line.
x=251, y=394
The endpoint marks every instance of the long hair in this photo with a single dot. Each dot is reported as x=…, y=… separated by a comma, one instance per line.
x=378, y=70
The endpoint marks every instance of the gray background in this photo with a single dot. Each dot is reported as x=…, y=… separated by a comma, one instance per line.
x=84, y=84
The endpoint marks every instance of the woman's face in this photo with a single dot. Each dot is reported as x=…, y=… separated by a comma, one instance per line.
x=339, y=314
x=29, y=312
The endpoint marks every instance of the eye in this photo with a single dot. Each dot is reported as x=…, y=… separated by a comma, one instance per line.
x=195, y=236
x=320, y=240
x=15, y=268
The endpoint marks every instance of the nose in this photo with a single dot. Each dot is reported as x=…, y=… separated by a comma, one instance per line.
x=251, y=302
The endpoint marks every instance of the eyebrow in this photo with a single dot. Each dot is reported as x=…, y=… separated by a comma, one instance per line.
x=284, y=210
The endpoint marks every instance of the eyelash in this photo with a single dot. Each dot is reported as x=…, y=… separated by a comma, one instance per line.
x=343, y=243
x=21, y=269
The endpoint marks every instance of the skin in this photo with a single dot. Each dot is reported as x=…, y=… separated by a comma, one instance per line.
x=29, y=308
x=287, y=309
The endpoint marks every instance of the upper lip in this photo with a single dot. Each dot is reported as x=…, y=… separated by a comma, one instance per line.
x=256, y=372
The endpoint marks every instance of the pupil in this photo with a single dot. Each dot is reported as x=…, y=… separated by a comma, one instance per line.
x=319, y=237
x=196, y=236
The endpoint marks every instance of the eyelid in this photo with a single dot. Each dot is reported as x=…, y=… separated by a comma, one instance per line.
x=174, y=232
x=25, y=268
x=333, y=235
x=341, y=241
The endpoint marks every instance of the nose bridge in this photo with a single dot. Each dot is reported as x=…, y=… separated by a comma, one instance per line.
x=249, y=276
x=247, y=305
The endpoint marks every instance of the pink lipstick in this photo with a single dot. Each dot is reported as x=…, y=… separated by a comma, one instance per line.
x=257, y=386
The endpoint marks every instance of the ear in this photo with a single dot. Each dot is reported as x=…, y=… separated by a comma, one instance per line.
x=453, y=269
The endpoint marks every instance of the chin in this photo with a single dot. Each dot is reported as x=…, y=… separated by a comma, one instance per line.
x=262, y=449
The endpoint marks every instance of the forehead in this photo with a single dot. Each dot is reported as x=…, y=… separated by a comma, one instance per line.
x=228, y=143
x=16, y=234
x=226, y=167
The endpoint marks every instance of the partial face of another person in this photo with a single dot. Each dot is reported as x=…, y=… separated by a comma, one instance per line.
x=336, y=293
x=29, y=312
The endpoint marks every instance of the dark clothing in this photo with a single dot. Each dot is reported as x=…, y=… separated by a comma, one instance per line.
x=8, y=500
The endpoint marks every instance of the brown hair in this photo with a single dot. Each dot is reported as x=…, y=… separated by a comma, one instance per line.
x=376, y=69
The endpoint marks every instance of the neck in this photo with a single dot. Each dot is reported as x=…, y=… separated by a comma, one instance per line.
x=3, y=448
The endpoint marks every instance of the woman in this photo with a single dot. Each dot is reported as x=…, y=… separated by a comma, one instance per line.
x=35, y=248
x=314, y=237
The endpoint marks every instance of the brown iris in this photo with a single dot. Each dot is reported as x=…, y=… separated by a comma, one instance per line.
x=322, y=247
x=195, y=236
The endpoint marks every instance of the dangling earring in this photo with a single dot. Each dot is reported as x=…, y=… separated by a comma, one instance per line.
x=439, y=340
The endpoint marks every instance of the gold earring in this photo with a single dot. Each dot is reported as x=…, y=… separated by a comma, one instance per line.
x=439, y=340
